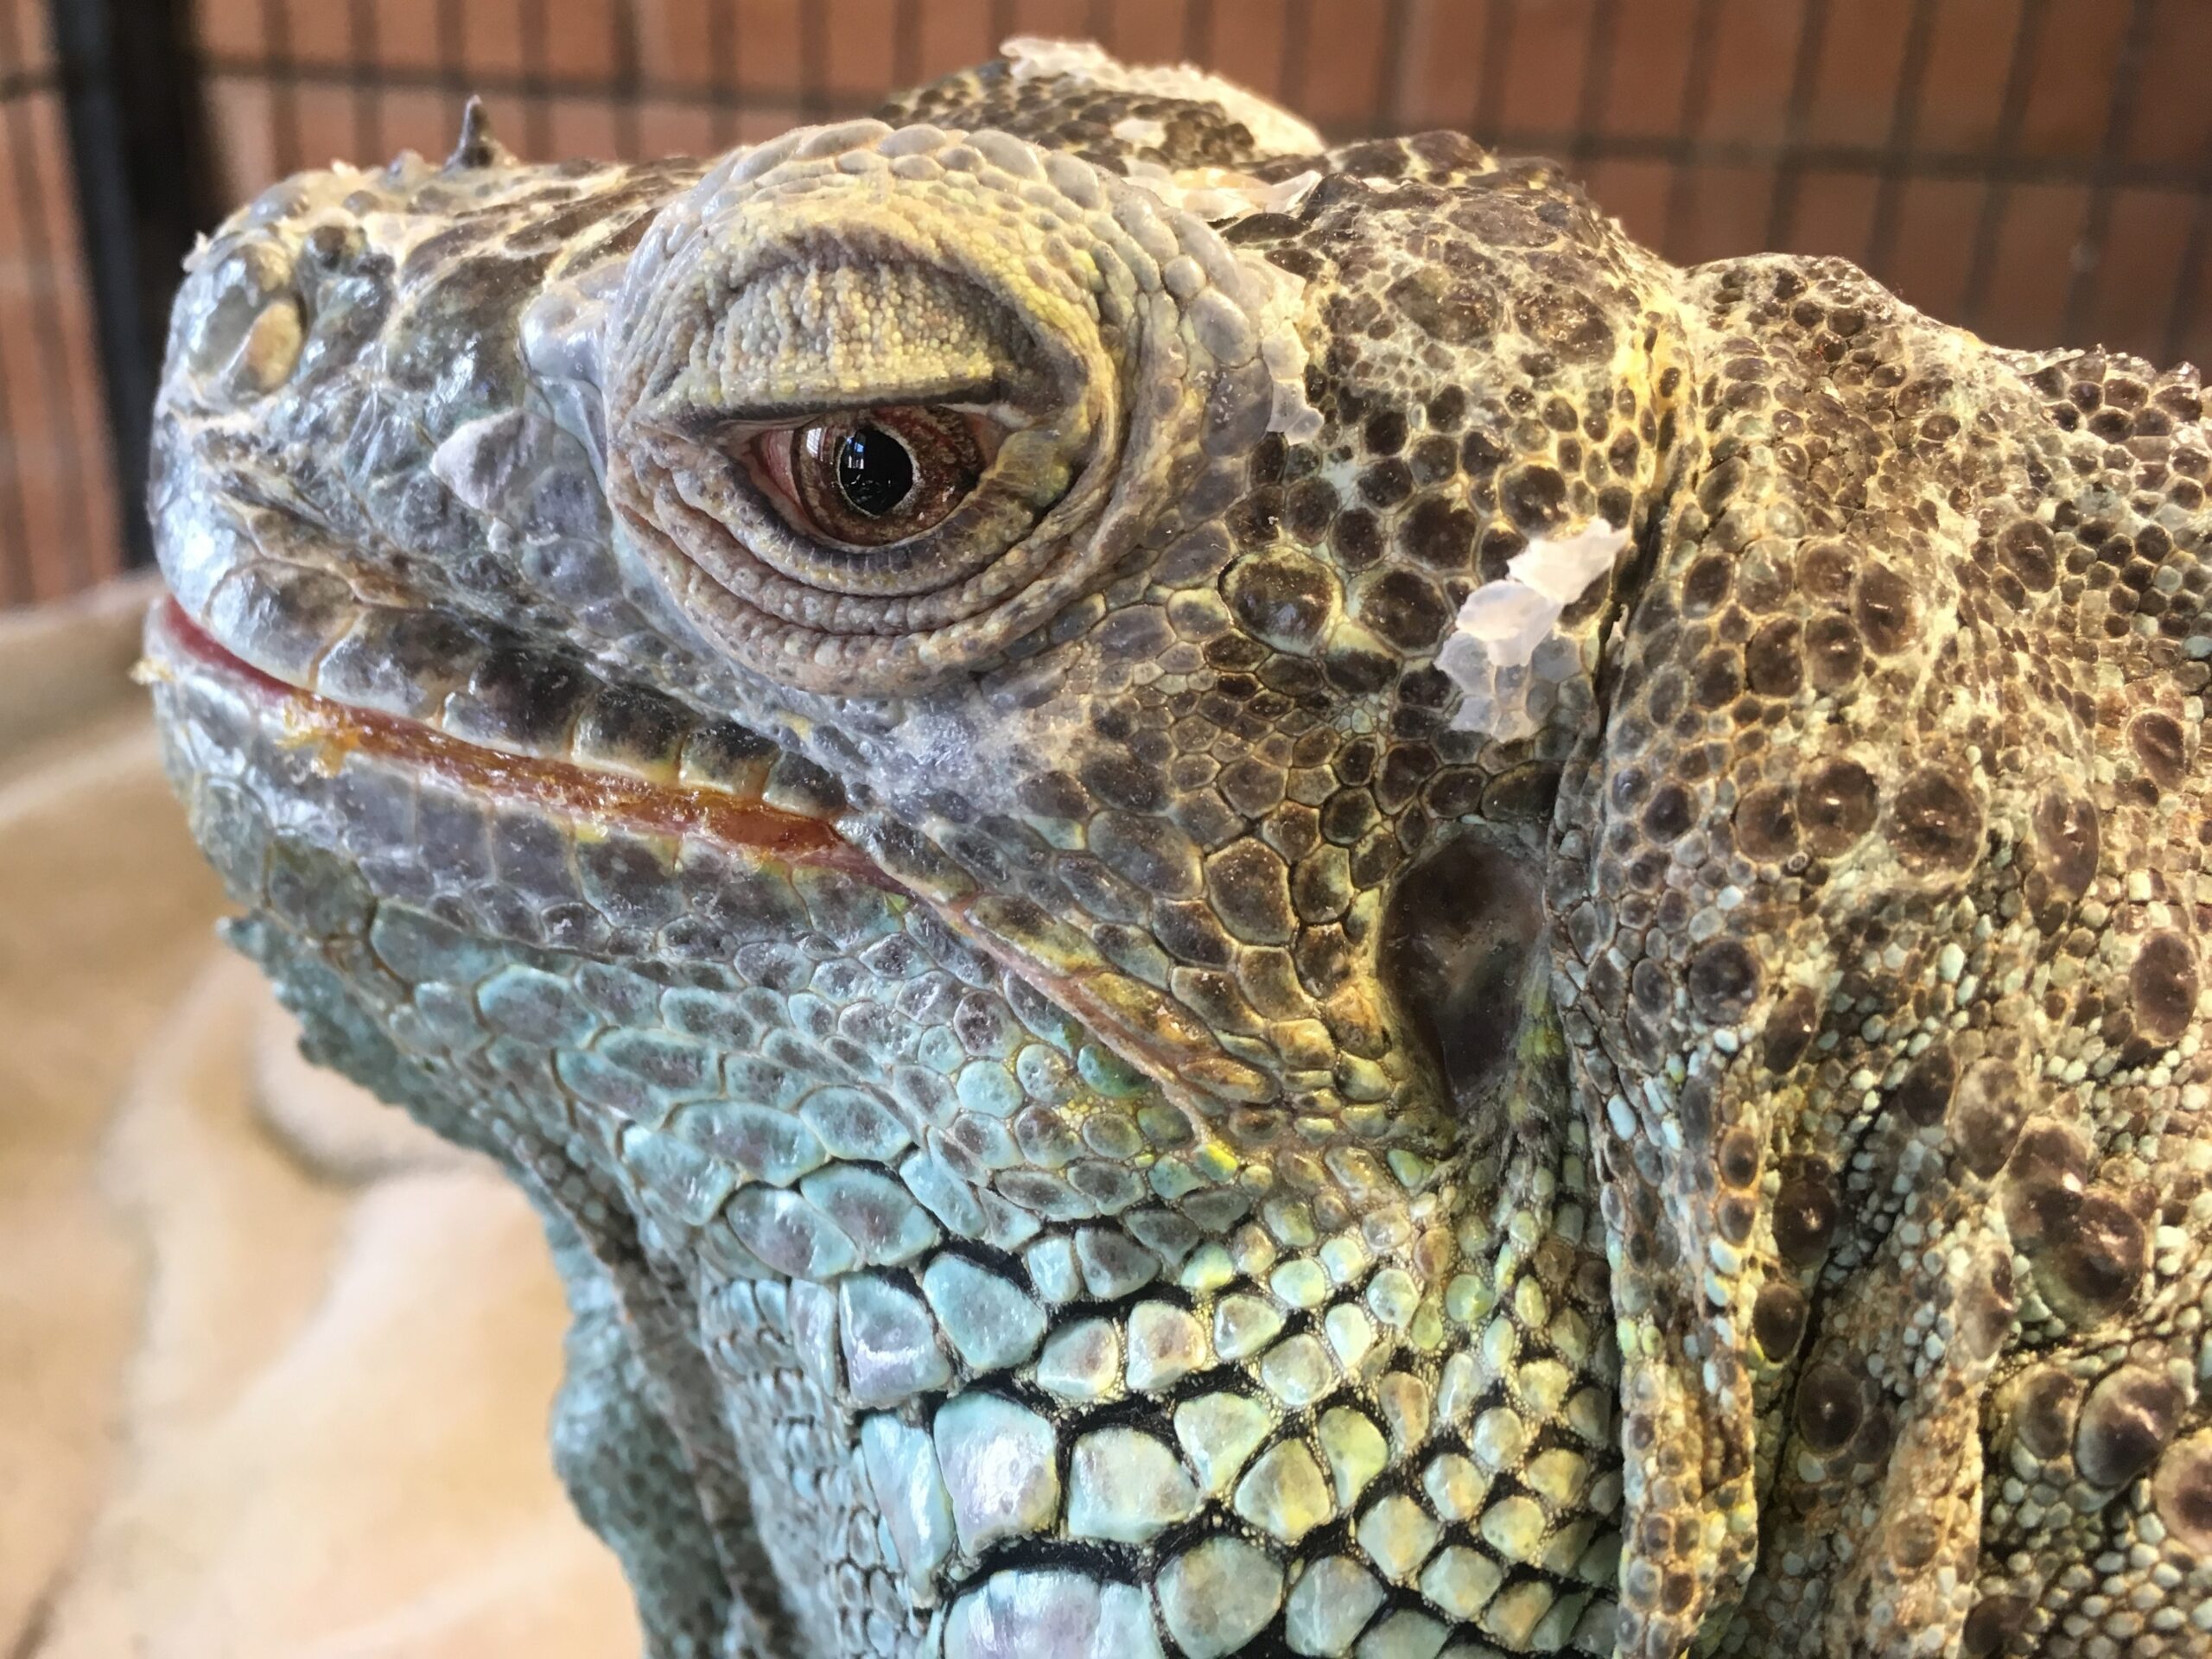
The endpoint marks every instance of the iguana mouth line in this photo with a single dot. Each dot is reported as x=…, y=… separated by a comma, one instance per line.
x=178, y=646
x=737, y=819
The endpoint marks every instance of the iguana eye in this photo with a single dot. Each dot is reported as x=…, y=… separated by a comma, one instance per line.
x=875, y=476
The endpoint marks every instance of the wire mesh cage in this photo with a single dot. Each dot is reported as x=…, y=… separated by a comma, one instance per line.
x=59, y=501
x=2039, y=170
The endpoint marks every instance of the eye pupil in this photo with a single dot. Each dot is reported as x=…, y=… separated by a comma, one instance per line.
x=873, y=477
x=875, y=473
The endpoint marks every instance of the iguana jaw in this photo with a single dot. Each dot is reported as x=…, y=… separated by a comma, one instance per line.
x=745, y=814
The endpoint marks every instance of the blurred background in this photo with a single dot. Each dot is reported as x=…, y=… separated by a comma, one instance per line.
x=2039, y=171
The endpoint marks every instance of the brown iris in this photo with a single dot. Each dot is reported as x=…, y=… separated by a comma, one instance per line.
x=874, y=476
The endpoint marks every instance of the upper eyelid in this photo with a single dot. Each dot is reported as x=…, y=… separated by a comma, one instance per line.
x=1004, y=415
x=982, y=397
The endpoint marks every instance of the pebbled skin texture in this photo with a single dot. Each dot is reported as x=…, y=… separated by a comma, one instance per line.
x=1087, y=1108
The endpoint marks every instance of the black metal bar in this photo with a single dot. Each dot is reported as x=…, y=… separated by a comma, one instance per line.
x=15, y=581
x=452, y=73
x=1689, y=121
x=144, y=183
x=538, y=84
x=450, y=77
x=1597, y=71
x=627, y=81
x=368, y=101
x=1386, y=118
x=1497, y=64
x=2119, y=118
x=813, y=61
x=813, y=31
x=285, y=78
x=1197, y=28
x=1297, y=38
x=1789, y=165
x=61, y=393
x=2181, y=314
x=1904, y=122
x=2027, y=37
x=906, y=44
x=722, y=53
x=16, y=584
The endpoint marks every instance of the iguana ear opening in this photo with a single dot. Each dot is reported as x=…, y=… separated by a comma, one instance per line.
x=1463, y=955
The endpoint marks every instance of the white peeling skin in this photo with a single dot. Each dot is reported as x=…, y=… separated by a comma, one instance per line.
x=1507, y=620
x=1508, y=642
x=1563, y=571
x=1216, y=194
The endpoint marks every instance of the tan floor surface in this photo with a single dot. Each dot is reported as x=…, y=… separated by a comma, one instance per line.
x=275, y=1363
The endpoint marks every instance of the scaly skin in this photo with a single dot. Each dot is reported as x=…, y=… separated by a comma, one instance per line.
x=1092, y=1100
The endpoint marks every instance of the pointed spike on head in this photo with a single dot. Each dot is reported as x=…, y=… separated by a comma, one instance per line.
x=477, y=146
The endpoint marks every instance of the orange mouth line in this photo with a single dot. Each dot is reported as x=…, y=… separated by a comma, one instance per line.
x=336, y=730
x=561, y=786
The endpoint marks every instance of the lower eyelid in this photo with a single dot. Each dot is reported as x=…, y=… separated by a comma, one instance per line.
x=771, y=450
x=987, y=435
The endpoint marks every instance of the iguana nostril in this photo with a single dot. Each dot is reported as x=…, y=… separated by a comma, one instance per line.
x=1465, y=933
x=246, y=329
x=332, y=246
x=265, y=359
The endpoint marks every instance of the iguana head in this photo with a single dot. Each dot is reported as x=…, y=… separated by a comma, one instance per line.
x=1087, y=791
x=1044, y=495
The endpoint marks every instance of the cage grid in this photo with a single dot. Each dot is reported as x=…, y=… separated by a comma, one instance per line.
x=2039, y=170
x=58, y=497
